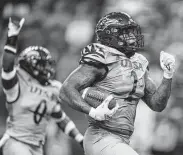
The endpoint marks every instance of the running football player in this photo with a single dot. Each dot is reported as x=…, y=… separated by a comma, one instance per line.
x=113, y=64
x=32, y=97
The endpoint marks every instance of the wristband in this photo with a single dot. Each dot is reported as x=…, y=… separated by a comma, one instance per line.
x=10, y=49
x=92, y=112
x=12, y=41
x=79, y=138
x=167, y=75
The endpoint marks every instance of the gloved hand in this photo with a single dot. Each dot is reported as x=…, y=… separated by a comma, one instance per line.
x=167, y=62
x=102, y=112
x=13, y=32
x=81, y=143
x=13, y=29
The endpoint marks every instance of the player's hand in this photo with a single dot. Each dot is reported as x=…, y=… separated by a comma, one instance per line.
x=14, y=29
x=102, y=112
x=167, y=62
x=81, y=143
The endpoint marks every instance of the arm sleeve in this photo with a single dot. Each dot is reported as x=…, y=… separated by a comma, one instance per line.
x=66, y=124
x=9, y=76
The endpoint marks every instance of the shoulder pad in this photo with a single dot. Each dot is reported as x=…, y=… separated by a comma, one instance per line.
x=93, y=54
x=56, y=83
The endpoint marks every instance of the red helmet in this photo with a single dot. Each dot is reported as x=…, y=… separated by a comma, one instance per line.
x=117, y=29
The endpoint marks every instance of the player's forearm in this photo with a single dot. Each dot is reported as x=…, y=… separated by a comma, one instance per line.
x=9, y=54
x=160, y=98
x=69, y=128
x=11, y=44
x=9, y=77
x=72, y=96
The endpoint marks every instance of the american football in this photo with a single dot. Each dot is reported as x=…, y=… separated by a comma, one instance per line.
x=95, y=96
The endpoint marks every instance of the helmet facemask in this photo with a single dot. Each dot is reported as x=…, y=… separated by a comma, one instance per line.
x=44, y=69
x=130, y=38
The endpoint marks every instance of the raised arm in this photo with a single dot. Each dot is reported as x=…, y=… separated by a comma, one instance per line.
x=8, y=74
x=157, y=98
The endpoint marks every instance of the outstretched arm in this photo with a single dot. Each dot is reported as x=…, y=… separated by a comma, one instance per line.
x=66, y=124
x=8, y=74
x=157, y=99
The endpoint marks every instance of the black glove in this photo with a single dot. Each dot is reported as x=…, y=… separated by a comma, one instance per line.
x=81, y=143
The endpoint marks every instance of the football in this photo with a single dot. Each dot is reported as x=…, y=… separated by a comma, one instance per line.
x=95, y=96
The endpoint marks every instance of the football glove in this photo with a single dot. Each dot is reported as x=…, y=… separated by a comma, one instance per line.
x=14, y=29
x=167, y=62
x=81, y=144
x=102, y=112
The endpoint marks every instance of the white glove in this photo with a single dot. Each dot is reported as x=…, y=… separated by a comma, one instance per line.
x=102, y=112
x=13, y=29
x=167, y=62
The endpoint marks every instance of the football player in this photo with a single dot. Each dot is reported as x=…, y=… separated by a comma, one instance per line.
x=113, y=64
x=32, y=97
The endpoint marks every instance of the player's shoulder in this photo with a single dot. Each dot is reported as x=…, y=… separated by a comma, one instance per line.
x=93, y=53
x=95, y=48
x=23, y=76
x=55, y=83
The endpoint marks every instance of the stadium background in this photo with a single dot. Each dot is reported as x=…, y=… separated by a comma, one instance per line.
x=66, y=26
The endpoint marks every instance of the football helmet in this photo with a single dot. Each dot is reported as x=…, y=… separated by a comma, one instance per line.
x=120, y=31
x=37, y=61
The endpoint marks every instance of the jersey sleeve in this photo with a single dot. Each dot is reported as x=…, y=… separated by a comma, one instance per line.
x=93, y=54
x=9, y=75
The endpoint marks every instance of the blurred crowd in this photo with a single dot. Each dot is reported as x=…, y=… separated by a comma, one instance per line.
x=66, y=26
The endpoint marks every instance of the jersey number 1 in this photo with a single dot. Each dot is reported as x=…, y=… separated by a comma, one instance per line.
x=134, y=75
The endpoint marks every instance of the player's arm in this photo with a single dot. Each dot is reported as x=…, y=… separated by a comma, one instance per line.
x=8, y=74
x=66, y=124
x=92, y=68
x=84, y=76
x=157, y=99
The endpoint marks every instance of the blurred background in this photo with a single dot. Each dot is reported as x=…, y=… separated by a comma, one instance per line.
x=66, y=26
